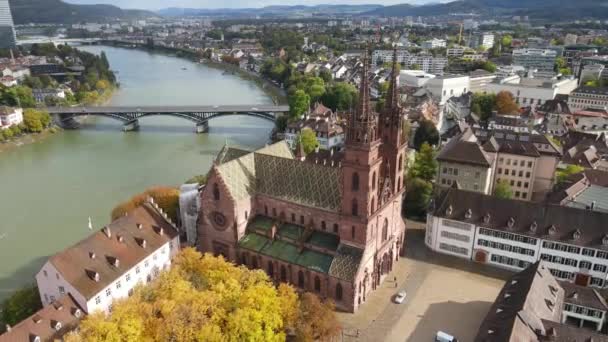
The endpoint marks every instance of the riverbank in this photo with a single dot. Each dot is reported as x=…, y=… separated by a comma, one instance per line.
x=275, y=92
x=29, y=138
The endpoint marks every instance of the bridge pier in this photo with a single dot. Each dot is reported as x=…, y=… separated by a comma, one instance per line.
x=130, y=126
x=202, y=127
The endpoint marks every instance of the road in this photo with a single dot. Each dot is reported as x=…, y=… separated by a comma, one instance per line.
x=427, y=278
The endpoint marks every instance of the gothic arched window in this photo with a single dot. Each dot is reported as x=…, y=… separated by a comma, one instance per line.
x=385, y=230
x=355, y=182
x=355, y=208
x=339, y=292
x=317, y=284
x=301, y=279
x=216, y=192
x=374, y=181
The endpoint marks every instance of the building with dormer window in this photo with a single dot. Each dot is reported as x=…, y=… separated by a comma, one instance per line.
x=109, y=263
x=514, y=234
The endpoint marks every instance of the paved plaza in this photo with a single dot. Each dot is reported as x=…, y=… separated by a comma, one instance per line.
x=442, y=294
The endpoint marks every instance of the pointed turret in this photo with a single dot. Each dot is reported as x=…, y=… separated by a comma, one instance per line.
x=362, y=123
x=392, y=95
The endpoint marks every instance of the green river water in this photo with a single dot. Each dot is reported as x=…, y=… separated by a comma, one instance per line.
x=50, y=188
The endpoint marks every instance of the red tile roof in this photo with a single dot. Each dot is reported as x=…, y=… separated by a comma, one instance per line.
x=95, y=262
x=49, y=323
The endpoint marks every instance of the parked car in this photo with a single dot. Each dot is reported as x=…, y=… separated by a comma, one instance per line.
x=444, y=337
x=400, y=297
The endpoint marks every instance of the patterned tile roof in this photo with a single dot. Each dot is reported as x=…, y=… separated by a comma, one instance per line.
x=294, y=181
x=325, y=253
x=273, y=171
x=346, y=262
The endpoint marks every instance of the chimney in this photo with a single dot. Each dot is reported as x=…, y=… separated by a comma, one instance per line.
x=92, y=255
x=120, y=238
x=106, y=230
x=140, y=226
x=592, y=207
x=8, y=328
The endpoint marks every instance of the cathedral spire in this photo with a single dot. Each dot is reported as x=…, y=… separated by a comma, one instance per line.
x=362, y=126
x=364, y=108
x=392, y=95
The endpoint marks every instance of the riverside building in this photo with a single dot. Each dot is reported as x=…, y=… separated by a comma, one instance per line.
x=334, y=229
x=109, y=263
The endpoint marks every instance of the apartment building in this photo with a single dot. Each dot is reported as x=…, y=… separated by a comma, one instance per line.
x=483, y=40
x=534, y=306
x=478, y=160
x=426, y=63
x=539, y=59
x=588, y=98
x=532, y=91
x=109, y=263
x=479, y=80
x=514, y=234
x=444, y=87
x=434, y=43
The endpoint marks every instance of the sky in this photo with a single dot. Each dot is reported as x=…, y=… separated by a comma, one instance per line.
x=158, y=4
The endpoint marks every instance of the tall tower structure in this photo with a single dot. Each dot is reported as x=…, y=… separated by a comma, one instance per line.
x=362, y=162
x=8, y=39
x=394, y=142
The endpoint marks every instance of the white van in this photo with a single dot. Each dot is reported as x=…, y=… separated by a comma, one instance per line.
x=443, y=337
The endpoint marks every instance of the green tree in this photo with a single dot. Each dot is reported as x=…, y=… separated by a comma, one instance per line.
x=417, y=198
x=415, y=67
x=299, y=103
x=562, y=175
x=506, y=40
x=314, y=87
x=308, y=139
x=503, y=189
x=489, y=67
x=340, y=96
x=483, y=105
x=32, y=119
x=425, y=164
x=281, y=123
x=20, y=305
x=426, y=133
x=325, y=76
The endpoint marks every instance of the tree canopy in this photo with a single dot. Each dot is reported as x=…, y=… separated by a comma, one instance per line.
x=167, y=198
x=308, y=139
x=417, y=197
x=483, y=105
x=204, y=298
x=503, y=189
x=19, y=306
x=340, y=96
x=299, y=103
x=425, y=164
x=505, y=103
x=562, y=175
x=426, y=133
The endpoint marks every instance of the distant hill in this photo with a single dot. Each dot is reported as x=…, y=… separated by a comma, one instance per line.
x=57, y=11
x=545, y=9
x=270, y=11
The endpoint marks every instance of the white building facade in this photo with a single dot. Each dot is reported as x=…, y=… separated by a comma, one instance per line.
x=513, y=234
x=10, y=117
x=108, y=264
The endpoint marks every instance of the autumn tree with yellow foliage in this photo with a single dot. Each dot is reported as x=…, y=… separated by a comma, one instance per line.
x=167, y=198
x=204, y=298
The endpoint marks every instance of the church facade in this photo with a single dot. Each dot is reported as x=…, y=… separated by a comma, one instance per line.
x=334, y=229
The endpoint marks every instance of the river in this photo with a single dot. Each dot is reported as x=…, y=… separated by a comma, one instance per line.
x=49, y=189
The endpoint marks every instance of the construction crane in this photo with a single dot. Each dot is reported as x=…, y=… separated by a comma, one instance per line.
x=460, y=33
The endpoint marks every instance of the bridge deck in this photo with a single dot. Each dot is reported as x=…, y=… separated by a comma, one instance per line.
x=170, y=109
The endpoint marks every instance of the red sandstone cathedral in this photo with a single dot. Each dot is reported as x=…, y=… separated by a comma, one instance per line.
x=334, y=229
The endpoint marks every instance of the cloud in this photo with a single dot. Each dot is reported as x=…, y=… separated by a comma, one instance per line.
x=158, y=4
